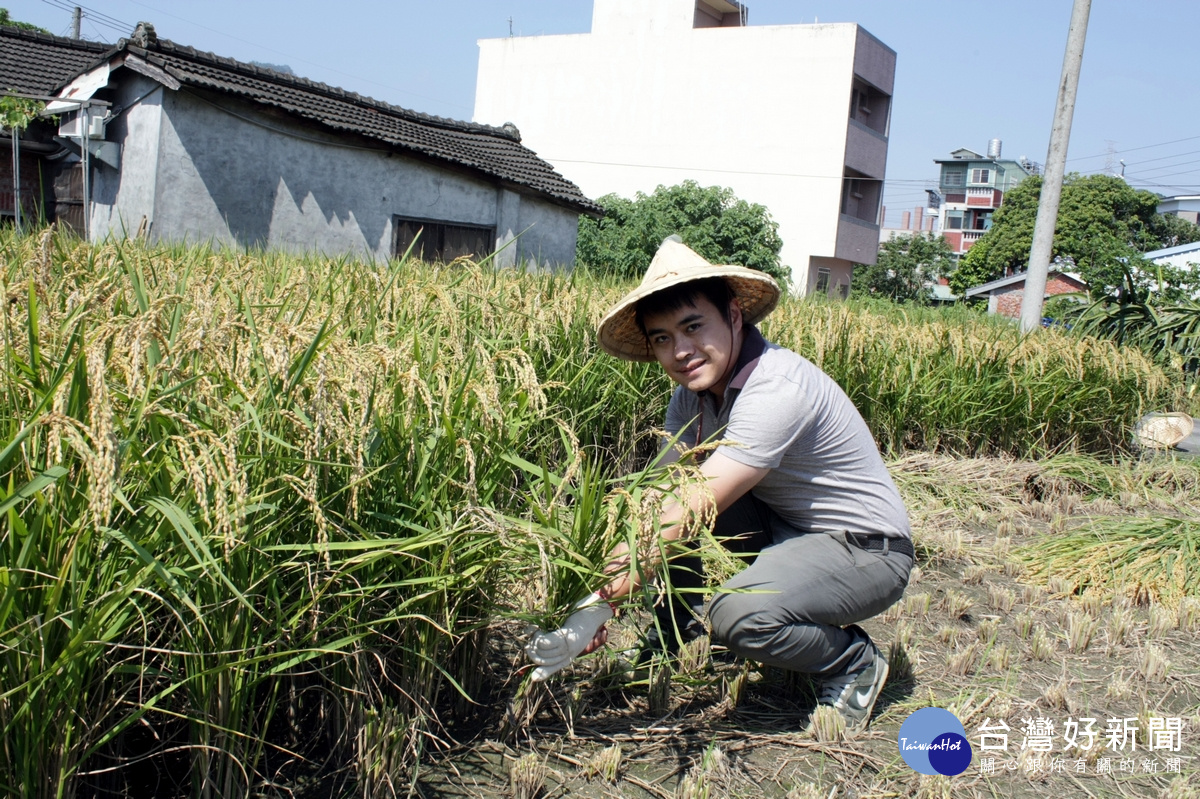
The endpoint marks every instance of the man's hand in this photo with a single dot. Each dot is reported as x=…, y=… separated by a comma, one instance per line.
x=582, y=632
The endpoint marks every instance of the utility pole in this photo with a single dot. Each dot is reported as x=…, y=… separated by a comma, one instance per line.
x=76, y=18
x=1056, y=156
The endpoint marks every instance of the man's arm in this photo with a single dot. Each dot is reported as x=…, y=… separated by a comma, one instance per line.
x=585, y=630
x=726, y=480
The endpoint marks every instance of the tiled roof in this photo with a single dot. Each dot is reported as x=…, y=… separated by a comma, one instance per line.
x=1019, y=277
x=496, y=152
x=38, y=63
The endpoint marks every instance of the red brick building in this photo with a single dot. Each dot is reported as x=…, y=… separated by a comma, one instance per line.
x=1005, y=295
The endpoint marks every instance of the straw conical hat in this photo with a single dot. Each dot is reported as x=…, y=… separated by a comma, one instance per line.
x=1163, y=430
x=674, y=263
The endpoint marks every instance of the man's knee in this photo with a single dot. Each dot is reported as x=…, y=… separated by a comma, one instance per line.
x=755, y=632
x=738, y=622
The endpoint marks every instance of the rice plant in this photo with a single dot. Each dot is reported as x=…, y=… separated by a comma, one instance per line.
x=1001, y=658
x=1149, y=558
x=238, y=488
x=1041, y=647
x=1080, y=629
x=1188, y=614
x=1001, y=598
x=988, y=630
x=1162, y=621
x=605, y=765
x=827, y=725
x=1120, y=624
x=989, y=390
x=1155, y=665
x=962, y=661
x=527, y=778
x=259, y=510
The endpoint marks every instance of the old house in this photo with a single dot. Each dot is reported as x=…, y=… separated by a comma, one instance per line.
x=1004, y=295
x=34, y=65
x=183, y=145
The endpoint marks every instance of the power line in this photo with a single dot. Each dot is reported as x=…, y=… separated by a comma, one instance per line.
x=1133, y=149
x=1167, y=167
x=95, y=17
x=1162, y=158
x=1173, y=174
x=1185, y=187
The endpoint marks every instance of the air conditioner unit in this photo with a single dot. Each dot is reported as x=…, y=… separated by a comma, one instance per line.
x=73, y=127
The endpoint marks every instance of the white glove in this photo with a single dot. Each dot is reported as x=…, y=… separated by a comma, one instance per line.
x=554, y=651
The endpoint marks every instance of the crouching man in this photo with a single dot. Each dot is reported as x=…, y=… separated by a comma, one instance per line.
x=801, y=483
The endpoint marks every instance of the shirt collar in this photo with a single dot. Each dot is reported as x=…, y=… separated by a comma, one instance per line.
x=753, y=346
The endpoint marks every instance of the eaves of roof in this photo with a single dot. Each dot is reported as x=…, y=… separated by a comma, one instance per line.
x=495, y=152
x=1167, y=252
x=1000, y=283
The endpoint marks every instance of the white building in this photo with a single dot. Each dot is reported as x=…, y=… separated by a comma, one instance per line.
x=1182, y=256
x=1184, y=206
x=793, y=117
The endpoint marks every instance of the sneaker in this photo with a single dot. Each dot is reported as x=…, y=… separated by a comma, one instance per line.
x=853, y=694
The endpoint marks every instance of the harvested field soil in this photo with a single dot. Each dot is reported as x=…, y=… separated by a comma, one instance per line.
x=993, y=627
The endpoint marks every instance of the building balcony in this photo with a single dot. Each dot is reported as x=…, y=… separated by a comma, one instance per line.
x=857, y=240
x=983, y=198
x=961, y=240
x=866, y=150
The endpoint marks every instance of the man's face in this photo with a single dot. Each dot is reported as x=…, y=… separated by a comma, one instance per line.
x=695, y=345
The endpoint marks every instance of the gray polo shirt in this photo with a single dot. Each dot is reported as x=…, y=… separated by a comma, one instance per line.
x=783, y=413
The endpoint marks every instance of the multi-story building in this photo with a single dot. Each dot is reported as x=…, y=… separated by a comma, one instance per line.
x=972, y=187
x=793, y=117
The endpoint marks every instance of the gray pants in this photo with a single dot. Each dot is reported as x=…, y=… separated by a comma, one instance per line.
x=788, y=608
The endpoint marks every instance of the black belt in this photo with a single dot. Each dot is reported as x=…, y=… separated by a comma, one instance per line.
x=878, y=542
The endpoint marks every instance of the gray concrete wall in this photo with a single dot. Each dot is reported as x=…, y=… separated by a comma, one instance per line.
x=841, y=272
x=547, y=231
x=123, y=198
x=231, y=174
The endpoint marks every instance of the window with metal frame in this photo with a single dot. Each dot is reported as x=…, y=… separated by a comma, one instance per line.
x=953, y=177
x=433, y=241
x=822, y=281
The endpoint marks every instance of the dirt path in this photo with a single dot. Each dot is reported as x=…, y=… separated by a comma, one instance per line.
x=978, y=633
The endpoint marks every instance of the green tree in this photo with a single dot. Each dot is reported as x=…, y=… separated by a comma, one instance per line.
x=904, y=268
x=17, y=112
x=1168, y=230
x=711, y=220
x=5, y=19
x=1104, y=225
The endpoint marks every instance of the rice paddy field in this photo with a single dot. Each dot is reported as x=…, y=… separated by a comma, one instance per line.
x=277, y=526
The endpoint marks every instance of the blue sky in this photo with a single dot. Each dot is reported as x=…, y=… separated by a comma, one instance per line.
x=966, y=71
